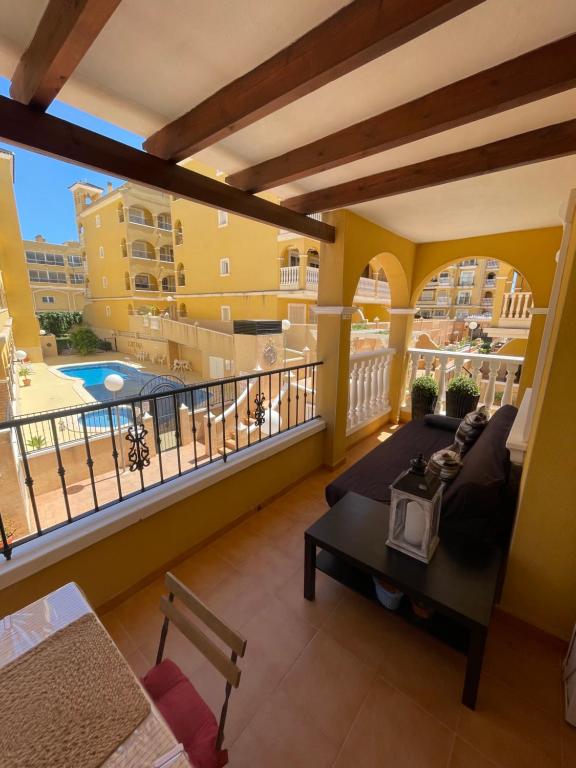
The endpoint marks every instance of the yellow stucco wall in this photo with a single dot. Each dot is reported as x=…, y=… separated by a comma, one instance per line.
x=541, y=580
x=13, y=267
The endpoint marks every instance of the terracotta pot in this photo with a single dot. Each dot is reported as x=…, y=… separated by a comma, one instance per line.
x=26, y=382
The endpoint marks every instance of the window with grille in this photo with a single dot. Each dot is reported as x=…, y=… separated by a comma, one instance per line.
x=43, y=276
x=224, y=267
x=47, y=299
x=222, y=218
x=225, y=314
x=38, y=257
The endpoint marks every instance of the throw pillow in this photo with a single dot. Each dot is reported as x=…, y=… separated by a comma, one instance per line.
x=469, y=431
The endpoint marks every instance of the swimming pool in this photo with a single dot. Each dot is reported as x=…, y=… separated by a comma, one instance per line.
x=94, y=375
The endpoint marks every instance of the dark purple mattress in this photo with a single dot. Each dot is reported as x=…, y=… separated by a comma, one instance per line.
x=372, y=475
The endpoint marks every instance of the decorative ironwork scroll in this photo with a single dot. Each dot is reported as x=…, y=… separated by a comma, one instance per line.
x=260, y=411
x=139, y=453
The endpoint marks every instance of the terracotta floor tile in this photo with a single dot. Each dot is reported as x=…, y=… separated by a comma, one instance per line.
x=328, y=595
x=425, y=669
x=509, y=729
x=202, y=572
x=237, y=545
x=465, y=756
x=526, y=659
x=118, y=633
x=329, y=683
x=237, y=598
x=391, y=730
x=281, y=736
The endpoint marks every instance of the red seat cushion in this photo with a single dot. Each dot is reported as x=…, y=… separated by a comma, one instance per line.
x=190, y=719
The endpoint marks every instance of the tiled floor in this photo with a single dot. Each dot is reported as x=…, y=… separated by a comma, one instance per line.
x=342, y=682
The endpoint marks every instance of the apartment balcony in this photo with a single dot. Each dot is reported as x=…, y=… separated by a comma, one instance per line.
x=490, y=282
x=443, y=301
x=487, y=302
x=377, y=290
x=297, y=278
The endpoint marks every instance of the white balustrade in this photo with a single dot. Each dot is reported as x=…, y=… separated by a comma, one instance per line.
x=493, y=373
x=378, y=289
x=289, y=277
x=516, y=306
x=369, y=387
x=312, y=276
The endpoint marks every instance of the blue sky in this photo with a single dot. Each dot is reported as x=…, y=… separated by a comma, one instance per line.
x=44, y=202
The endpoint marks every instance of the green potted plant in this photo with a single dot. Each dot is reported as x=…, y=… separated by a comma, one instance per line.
x=25, y=373
x=424, y=396
x=36, y=442
x=462, y=395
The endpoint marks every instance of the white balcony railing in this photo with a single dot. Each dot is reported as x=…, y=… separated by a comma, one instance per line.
x=443, y=300
x=289, y=277
x=312, y=278
x=494, y=374
x=516, y=306
x=369, y=387
x=377, y=289
x=490, y=282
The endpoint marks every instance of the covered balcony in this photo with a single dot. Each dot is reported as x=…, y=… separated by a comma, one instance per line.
x=142, y=249
x=354, y=643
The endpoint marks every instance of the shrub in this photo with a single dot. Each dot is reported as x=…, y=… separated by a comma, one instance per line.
x=84, y=340
x=425, y=386
x=463, y=385
x=59, y=323
x=36, y=442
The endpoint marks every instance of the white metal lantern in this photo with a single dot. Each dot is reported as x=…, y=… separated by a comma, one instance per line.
x=415, y=512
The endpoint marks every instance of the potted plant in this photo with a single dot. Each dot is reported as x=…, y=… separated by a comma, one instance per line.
x=462, y=395
x=36, y=443
x=424, y=396
x=25, y=372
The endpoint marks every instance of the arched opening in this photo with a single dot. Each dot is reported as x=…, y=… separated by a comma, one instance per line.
x=181, y=276
x=169, y=283
x=164, y=221
x=140, y=215
x=120, y=212
x=127, y=284
x=124, y=248
x=166, y=253
x=143, y=281
x=178, y=232
x=371, y=320
x=182, y=310
x=142, y=249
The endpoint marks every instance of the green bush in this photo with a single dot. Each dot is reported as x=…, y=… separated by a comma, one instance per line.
x=59, y=323
x=463, y=385
x=426, y=386
x=84, y=340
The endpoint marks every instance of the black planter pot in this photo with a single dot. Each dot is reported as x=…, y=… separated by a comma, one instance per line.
x=422, y=405
x=459, y=404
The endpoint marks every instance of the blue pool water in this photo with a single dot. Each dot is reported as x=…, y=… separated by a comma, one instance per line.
x=93, y=377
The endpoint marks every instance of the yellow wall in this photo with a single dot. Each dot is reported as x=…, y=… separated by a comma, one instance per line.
x=13, y=267
x=150, y=544
x=541, y=580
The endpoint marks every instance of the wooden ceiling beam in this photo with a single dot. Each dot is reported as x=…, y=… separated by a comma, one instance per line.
x=532, y=76
x=535, y=146
x=66, y=31
x=361, y=31
x=49, y=135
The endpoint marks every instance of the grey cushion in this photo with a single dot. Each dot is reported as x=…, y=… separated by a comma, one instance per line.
x=442, y=422
x=476, y=503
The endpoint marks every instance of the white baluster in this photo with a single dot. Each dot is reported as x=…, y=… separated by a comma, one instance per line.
x=458, y=366
x=441, y=402
x=511, y=370
x=352, y=393
x=428, y=360
x=413, y=370
x=386, y=382
x=491, y=387
x=367, y=387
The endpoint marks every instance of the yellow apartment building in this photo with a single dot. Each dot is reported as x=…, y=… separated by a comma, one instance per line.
x=148, y=255
x=56, y=275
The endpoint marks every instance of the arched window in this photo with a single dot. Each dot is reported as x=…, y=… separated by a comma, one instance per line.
x=145, y=282
x=181, y=275
x=127, y=280
x=168, y=283
x=142, y=249
x=183, y=312
x=139, y=215
x=178, y=232
x=124, y=248
x=166, y=253
x=165, y=221
x=120, y=210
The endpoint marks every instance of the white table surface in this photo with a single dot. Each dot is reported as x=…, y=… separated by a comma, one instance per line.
x=28, y=627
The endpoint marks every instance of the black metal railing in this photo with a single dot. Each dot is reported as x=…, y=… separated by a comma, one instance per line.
x=76, y=461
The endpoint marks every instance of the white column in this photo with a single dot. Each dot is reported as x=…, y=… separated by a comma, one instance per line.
x=353, y=393
x=441, y=402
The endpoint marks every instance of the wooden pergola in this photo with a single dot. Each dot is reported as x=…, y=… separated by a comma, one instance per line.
x=358, y=33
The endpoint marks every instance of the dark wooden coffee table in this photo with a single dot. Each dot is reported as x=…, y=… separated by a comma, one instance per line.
x=461, y=582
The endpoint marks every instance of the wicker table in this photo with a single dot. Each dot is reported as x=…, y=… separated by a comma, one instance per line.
x=27, y=628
